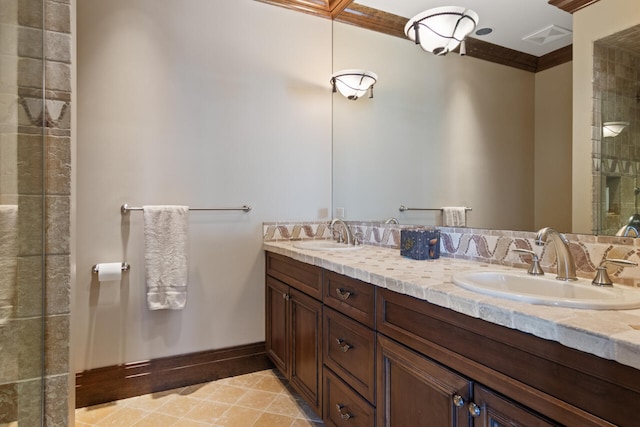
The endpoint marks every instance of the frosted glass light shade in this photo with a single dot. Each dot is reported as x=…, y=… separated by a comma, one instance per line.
x=354, y=83
x=440, y=30
x=611, y=129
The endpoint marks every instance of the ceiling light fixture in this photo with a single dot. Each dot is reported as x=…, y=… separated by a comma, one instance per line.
x=354, y=83
x=613, y=129
x=442, y=29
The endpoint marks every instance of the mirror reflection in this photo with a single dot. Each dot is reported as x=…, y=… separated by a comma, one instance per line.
x=616, y=65
x=450, y=131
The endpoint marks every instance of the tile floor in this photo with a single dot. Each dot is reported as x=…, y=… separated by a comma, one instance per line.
x=259, y=399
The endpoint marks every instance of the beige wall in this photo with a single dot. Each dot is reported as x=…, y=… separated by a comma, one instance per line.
x=590, y=24
x=204, y=103
x=552, y=188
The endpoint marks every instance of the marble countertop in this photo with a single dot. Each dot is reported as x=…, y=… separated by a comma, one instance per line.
x=610, y=334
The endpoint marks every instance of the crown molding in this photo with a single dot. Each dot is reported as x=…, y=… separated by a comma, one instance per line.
x=376, y=20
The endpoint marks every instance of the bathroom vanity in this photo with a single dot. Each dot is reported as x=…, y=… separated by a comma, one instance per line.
x=371, y=342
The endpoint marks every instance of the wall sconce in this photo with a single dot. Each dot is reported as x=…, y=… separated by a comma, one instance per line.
x=354, y=83
x=613, y=129
x=442, y=29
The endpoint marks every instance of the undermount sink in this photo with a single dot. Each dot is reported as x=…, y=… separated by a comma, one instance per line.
x=547, y=290
x=325, y=245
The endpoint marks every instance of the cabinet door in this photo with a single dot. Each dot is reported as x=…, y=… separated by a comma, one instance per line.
x=415, y=391
x=492, y=410
x=277, y=324
x=306, y=349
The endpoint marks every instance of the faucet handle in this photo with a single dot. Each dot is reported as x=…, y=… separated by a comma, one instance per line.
x=602, y=277
x=534, y=268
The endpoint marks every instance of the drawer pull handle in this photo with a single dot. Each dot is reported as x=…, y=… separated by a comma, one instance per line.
x=474, y=410
x=343, y=345
x=458, y=400
x=344, y=415
x=343, y=295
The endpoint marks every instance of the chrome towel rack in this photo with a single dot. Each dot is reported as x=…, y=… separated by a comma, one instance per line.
x=125, y=209
x=403, y=209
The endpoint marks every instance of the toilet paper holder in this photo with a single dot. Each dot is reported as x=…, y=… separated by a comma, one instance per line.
x=96, y=268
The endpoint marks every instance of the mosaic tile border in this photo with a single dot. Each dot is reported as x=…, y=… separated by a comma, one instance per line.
x=488, y=246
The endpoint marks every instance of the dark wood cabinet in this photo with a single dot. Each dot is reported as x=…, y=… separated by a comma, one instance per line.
x=343, y=406
x=306, y=347
x=366, y=356
x=349, y=351
x=293, y=335
x=415, y=391
x=277, y=325
x=492, y=410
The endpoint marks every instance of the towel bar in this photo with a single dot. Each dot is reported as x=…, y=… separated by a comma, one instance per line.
x=403, y=208
x=125, y=209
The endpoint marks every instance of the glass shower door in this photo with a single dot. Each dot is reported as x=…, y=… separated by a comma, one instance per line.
x=22, y=142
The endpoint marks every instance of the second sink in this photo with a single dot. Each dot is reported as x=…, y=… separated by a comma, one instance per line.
x=548, y=291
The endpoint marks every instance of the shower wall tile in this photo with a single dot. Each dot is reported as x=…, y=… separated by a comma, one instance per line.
x=29, y=398
x=56, y=397
x=29, y=161
x=29, y=225
x=58, y=76
x=28, y=297
x=29, y=13
x=57, y=225
x=57, y=344
x=29, y=347
x=8, y=403
x=30, y=73
x=58, y=16
x=57, y=284
x=58, y=167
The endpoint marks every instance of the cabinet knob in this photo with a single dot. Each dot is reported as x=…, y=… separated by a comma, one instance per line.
x=285, y=296
x=344, y=415
x=474, y=410
x=343, y=345
x=343, y=295
x=458, y=400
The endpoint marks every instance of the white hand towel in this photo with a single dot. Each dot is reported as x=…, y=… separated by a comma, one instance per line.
x=454, y=216
x=166, y=262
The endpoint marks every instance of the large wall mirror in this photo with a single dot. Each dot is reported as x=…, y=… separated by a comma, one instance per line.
x=445, y=131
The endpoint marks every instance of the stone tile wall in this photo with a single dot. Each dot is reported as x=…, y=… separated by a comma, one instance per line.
x=35, y=183
x=616, y=160
x=489, y=246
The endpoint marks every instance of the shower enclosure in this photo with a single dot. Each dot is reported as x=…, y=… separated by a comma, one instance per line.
x=35, y=94
x=617, y=126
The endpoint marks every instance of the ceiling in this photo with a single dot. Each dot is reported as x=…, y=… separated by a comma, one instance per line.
x=510, y=20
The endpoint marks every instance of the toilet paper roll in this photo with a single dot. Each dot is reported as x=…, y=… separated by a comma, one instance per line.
x=109, y=271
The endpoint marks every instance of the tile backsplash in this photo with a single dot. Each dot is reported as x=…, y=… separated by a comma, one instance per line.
x=488, y=246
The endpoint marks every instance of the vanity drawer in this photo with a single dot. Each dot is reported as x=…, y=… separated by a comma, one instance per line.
x=303, y=277
x=349, y=350
x=350, y=296
x=343, y=406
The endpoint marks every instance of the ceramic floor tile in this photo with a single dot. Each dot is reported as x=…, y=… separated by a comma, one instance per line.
x=260, y=399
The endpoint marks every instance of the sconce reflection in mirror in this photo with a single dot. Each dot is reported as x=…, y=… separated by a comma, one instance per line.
x=354, y=83
x=442, y=29
x=613, y=129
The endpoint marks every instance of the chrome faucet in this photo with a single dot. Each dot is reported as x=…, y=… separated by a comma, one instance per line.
x=566, y=264
x=349, y=240
x=392, y=221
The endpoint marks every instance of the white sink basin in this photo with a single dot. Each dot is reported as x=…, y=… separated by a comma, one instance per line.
x=547, y=290
x=325, y=245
